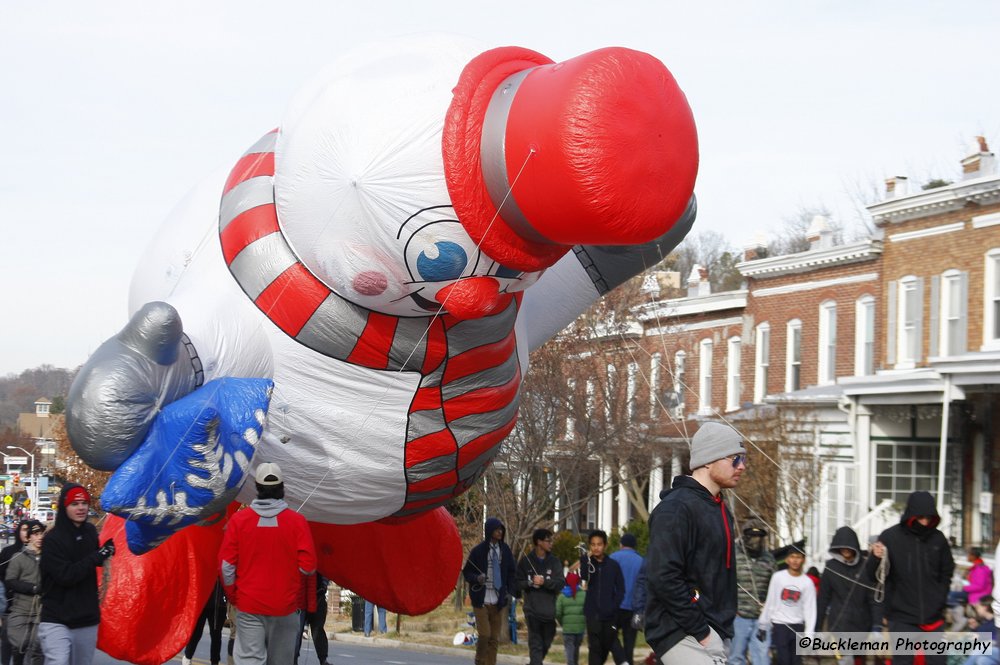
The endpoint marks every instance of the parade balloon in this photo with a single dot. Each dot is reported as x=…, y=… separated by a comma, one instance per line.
x=355, y=296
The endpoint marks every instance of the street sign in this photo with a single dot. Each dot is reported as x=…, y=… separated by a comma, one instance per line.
x=16, y=461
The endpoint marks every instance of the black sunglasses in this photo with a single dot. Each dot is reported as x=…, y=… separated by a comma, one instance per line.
x=739, y=458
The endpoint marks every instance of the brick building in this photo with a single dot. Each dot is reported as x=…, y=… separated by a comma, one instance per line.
x=871, y=339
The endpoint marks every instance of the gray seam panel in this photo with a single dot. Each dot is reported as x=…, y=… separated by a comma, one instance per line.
x=424, y=422
x=473, y=467
x=265, y=143
x=409, y=342
x=494, y=158
x=244, y=196
x=487, y=378
x=267, y=521
x=421, y=496
x=334, y=328
x=261, y=262
x=430, y=468
x=480, y=332
x=433, y=379
x=475, y=425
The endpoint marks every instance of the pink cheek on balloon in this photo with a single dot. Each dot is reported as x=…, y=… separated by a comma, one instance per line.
x=370, y=283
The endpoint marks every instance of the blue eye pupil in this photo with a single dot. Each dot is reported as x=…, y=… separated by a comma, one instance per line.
x=449, y=263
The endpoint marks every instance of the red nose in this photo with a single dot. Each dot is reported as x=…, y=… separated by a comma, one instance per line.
x=473, y=298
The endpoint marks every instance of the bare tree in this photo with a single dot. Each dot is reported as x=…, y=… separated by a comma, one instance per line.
x=712, y=250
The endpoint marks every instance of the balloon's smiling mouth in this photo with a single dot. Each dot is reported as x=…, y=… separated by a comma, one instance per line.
x=424, y=303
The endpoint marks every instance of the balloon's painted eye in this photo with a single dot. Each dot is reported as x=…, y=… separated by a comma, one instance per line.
x=509, y=273
x=448, y=263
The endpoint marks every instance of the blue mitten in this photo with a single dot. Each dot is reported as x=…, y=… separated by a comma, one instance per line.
x=192, y=462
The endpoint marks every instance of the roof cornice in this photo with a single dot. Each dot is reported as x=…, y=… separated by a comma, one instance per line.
x=935, y=201
x=776, y=266
x=715, y=302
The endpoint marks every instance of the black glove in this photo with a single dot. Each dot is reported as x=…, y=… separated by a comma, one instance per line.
x=761, y=635
x=107, y=550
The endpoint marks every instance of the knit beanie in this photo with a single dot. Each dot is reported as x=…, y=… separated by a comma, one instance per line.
x=713, y=441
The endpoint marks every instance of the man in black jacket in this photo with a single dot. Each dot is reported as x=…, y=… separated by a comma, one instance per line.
x=691, y=565
x=920, y=569
x=490, y=572
x=70, y=556
x=540, y=579
x=605, y=592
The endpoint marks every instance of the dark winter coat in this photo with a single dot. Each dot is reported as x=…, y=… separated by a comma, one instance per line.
x=846, y=597
x=540, y=603
x=605, y=588
x=478, y=561
x=753, y=574
x=920, y=565
x=6, y=554
x=69, y=571
x=690, y=566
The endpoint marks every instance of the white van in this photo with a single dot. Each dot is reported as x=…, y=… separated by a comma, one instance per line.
x=43, y=515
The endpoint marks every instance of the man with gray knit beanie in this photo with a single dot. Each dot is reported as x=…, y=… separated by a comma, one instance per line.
x=691, y=561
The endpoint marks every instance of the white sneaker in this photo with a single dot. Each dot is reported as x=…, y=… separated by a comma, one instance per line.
x=185, y=660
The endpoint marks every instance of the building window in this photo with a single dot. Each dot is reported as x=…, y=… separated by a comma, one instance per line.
x=910, y=319
x=954, y=305
x=991, y=306
x=762, y=362
x=828, y=342
x=632, y=383
x=705, y=376
x=611, y=391
x=733, y=374
x=570, y=419
x=902, y=468
x=680, y=387
x=793, y=356
x=591, y=392
x=864, y=336
x=654, y=386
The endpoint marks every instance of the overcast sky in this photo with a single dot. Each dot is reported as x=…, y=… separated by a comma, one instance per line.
x=113, y=110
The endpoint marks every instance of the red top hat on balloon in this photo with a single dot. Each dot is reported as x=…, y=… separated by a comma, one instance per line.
x=600, y=149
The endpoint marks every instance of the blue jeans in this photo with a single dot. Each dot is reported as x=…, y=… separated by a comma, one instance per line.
x=744, y=637
x=369, y=615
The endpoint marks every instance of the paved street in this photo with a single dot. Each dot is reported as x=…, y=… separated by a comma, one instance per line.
x=341, y=653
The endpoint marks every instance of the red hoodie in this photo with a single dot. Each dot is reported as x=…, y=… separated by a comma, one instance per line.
x=266, y=551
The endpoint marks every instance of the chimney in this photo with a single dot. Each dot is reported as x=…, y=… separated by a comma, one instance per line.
x=819, y=234
x=896, y=187
x=650, y=285
x=757, y=249
x=980, y=163
x=698, y=284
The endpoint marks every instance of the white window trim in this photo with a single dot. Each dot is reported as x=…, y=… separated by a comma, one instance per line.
x=631, y=387
x=864, y=307
x=794, y=324
x=654, y=385
x=733, y=387
x=705, y=376
x=904, y=361
x=762, y=351
x=680, y=386
x=827, y=338
x=570, y=419
x=948, y=277
x=992, y=265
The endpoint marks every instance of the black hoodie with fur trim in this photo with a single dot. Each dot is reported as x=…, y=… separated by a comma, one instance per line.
x=920, y=565
x=69, y=571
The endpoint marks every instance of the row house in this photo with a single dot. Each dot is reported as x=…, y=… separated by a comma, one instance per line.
x=890, y=345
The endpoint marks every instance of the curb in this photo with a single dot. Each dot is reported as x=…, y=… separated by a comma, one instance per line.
x=349, y=638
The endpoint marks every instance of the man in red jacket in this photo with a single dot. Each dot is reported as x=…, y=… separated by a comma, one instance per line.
x=267, y=559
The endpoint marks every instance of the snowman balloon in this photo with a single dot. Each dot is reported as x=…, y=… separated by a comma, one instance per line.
x=355, y=299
